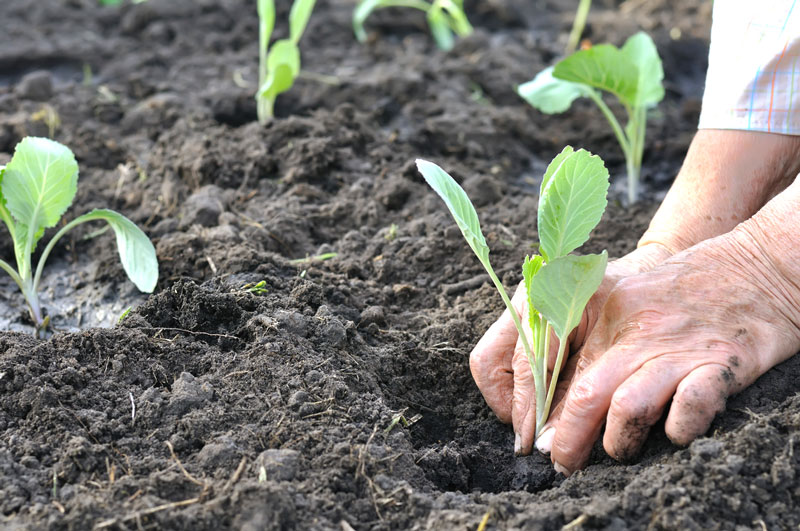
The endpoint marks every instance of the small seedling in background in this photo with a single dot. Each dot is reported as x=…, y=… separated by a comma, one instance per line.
x=577, y=25
x=446, y=18
x=36, y=188
x=124, y=314
x=88, y=76
x=391, y=234
x=400, y=418
x=50, y=117
x=259, y=288
x=318, y=258
x=572, y=199
x=632, y=73
x=279, y=64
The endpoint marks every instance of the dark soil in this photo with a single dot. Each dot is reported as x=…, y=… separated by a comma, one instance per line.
x=341, y=397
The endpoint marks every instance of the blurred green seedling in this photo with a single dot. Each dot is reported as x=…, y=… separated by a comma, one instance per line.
x=572, y=199
x=633, y=74
x=124, y=315
x=578, y=24
x=259, y=288
x=279, y=64
x=317, y=258
x=402, y=420
x=446, y=18
x=36, y=188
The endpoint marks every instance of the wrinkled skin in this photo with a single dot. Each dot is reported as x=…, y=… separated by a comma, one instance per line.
x=699, y=311
x=694, y=330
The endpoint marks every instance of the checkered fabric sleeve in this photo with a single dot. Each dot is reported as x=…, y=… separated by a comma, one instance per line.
x=753, y=80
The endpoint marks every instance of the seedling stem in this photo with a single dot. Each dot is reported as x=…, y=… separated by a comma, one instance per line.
x=578, y=25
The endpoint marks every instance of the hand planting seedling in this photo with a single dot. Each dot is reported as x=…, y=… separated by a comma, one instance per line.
x=445, y=18
x=572, y=199
x=36, y=188
x=632, y=73
x=279, y=64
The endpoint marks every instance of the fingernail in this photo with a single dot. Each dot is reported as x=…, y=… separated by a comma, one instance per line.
x=561, y=469
x=517, y=444
x=545, y=441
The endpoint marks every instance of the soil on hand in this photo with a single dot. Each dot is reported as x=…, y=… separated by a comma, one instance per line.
x=337, y=394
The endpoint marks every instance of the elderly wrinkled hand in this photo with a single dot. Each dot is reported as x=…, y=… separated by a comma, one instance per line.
x=686, y=335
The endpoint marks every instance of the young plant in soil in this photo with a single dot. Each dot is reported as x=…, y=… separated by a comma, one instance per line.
x=578, y=23
x=632, y=73
x=446, y=18
x=572, y=199
x=279, y=64
x=36, y=188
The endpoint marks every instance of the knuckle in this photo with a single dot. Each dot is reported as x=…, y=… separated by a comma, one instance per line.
x=477, y=356
x=626, y=405
x=583, y=394
x=623, y=293
x=522, y=378
x=583, y=363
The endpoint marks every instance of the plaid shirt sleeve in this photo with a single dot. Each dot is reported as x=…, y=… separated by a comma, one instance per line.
x=753, y=80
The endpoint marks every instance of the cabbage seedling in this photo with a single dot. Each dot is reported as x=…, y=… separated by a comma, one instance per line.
x=36, y=188
x=572, y=199
x=632, y=73
x=446, y=18
x=279, y=64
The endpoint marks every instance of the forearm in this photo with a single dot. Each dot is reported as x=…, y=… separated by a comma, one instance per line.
x=771, y=239
x=726, y=178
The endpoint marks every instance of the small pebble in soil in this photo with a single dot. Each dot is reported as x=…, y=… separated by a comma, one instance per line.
x=483, y=190
x=202, y=207
x=373, y=314
x=298, y=399
x=706, y=448
x=532, y=473
x=220, y=453
x=292, y=322
x=332, y=329
x=36, y=85
x=278, y=464
x=188, y=393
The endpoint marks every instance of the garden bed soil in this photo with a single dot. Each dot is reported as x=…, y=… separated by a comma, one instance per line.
x=340, y=396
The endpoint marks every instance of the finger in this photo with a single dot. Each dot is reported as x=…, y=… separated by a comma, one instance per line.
x=585, y=407
x=491, y=361
x=523, y=404
x=700, y=396
x=638, y=404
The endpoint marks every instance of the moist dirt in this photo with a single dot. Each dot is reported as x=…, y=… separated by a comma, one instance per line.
x=338, y=396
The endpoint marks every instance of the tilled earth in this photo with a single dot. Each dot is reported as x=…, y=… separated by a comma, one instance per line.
x=338, y=396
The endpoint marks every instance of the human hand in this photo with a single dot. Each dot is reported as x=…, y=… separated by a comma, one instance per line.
x=499, y=364
x=699, y=327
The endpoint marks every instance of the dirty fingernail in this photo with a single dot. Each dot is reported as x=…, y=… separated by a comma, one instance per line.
x=517, y=444
x=545, y=441
x=561, y=469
